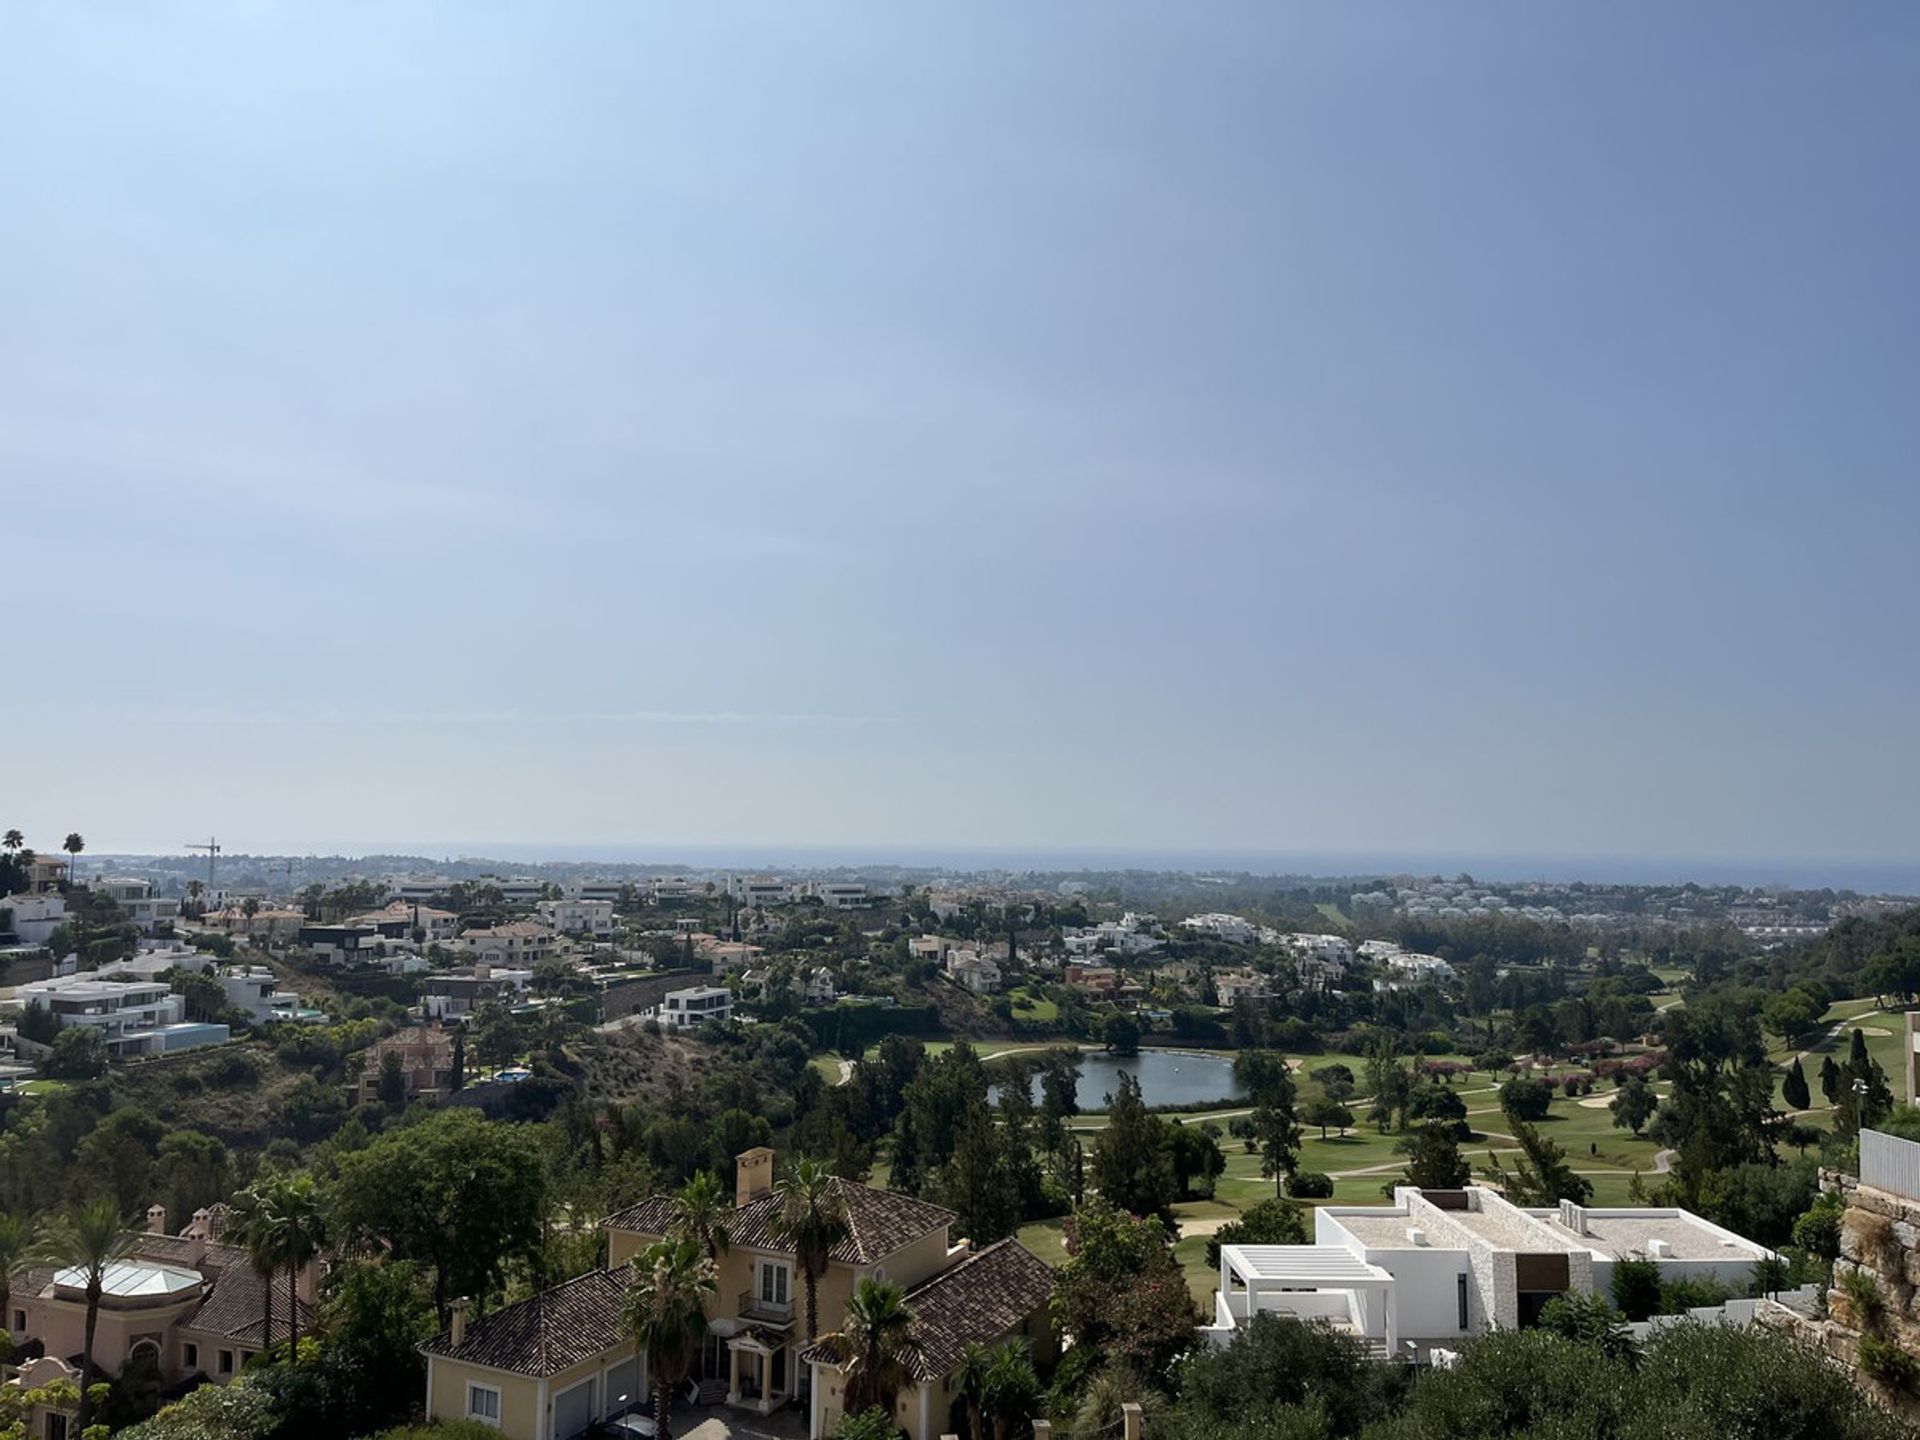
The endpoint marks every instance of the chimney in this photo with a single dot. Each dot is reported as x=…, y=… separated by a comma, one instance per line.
x=198, y=1230
x=1416, y=1236
x=307, y=1282
x=156, y=1220
x=483, y=971
x=1659, y=1250
x=458, y=1311
x=753, y=1174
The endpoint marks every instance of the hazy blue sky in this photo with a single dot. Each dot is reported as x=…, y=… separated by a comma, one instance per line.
x=1413, y=428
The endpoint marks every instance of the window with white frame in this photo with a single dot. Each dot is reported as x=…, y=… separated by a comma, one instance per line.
x=483, y=1403
x=775, y=1279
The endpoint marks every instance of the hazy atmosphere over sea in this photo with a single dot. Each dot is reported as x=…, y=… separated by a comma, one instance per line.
x=1395, y=430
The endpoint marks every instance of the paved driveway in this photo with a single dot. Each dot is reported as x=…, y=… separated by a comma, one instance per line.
x=725, y=1424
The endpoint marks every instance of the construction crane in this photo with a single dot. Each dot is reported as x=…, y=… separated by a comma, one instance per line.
x=212, y=847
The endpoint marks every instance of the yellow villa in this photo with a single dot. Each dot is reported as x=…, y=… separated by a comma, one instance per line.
x=549, y=1367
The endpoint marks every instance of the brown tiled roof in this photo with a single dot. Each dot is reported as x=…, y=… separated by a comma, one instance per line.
x=879, y=1222
x=233, y=1302
x=548, y=1332
x=419, y=1048
x=988, y=1294
x=234, y=1306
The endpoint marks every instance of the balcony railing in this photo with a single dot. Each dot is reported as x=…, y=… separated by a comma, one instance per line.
x=754, y=1307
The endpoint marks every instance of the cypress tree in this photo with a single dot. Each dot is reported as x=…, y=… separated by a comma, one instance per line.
x=1795, y=1091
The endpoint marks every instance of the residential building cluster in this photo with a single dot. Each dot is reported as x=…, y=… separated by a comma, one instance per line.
x=1416, y=1278
x=549, y=1367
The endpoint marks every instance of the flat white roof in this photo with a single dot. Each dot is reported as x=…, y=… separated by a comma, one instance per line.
x=1320, y=1264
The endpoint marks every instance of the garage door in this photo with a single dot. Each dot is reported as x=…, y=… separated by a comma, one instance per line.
x=573, y=1411
x=623, y=1387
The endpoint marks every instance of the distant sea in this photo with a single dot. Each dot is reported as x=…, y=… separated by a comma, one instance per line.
x=1884, y=877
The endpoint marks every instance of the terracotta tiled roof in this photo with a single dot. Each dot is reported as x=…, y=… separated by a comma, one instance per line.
x=548, y=1332
x=879, y=1222
x=985, y=1296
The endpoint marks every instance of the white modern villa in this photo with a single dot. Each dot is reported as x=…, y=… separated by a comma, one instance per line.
x=1440, y=1266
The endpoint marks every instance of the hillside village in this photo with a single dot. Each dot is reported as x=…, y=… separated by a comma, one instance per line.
x=567, y=1154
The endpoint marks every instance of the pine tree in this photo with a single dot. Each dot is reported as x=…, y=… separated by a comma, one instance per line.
x=1434, y=1161
x=1541, y=1176
x=978, y=1183
x=1132, y=1166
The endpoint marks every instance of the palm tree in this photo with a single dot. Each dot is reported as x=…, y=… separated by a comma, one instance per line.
x=1012, y=1388
x=195, y=889
x=252, y=1228
x=13, y=1248
x=73, y=845
x=976, y=1366
x=877, y=1346
x=1000, y=1385
x=86, y=1239
x=666, y=1313
x=12, y=841
x=700, y=1213
x=813, y=1219
x=297, y=1223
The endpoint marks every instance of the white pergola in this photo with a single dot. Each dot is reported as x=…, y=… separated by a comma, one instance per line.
x=1285, y=1274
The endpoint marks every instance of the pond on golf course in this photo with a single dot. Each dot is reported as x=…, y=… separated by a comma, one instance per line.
x=1167, y=1077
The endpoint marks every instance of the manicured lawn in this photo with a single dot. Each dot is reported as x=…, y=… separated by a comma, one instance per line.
x=1028, y=1006
x=1331, y=911
x=1046, y=1239
x=43, y=1087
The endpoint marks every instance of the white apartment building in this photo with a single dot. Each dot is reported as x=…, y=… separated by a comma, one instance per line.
x=607, y=890
x=121, y=888
x=136, y=1017
x=1234, y=929
x=759, y=890
x=696, y=1005
x=577, y=917
x=1111, y=937
x=419, y=888
x=842, y=894
x=1407, y=968
x=1438, y=1267
x=35, y=916
x=1330, y=949
x=256, y=990
x=671, y=887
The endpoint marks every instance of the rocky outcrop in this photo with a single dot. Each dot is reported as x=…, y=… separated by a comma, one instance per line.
x=1873, y=1306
